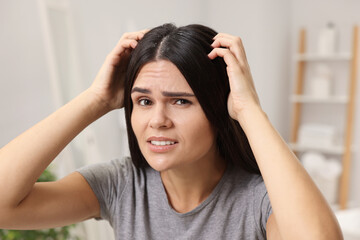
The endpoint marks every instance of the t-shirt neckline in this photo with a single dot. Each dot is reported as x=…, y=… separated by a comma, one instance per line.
x=198, y=208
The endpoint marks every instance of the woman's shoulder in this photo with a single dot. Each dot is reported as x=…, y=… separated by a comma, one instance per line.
x=240, y=175
x=117, y=165
x=116, y=171
x=246, y=182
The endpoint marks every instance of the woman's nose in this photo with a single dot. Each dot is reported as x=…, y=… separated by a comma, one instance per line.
x=160, y=118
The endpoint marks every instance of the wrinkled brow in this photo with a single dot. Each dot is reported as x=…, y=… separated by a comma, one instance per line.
x=165, y=93
x=140, y=90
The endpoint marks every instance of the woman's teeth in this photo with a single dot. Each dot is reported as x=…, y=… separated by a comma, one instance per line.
x=162, y=143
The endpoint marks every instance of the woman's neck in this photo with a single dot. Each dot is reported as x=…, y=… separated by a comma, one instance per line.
x=190, y=185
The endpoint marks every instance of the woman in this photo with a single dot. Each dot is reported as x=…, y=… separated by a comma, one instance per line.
x=193, y=174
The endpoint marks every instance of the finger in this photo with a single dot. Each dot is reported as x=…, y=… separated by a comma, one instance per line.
x=225, y=35
x=129, y=40
x=135, y=35
x=226, y=54
x=237, y=56
x=233, y=43
x=123, y=45
x=233, y=67
x=144, y=31
x=227, y=41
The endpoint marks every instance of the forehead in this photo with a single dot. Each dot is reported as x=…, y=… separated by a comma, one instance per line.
x=162, y=75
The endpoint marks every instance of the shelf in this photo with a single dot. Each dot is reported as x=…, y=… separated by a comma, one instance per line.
x=300, y=97
x=318, y=57
x=313, y=99
x=338, y=150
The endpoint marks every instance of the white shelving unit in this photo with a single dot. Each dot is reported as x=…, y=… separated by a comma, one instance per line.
x=313, y=99
x=336, y=149
x=299, y=99
x=345, y=56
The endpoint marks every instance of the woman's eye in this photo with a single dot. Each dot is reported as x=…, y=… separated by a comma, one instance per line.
x=144, y=102
x=181, y=102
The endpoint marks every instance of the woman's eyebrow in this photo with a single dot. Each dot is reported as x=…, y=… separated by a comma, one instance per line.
x=177, y=94
x=164, y=93
x=140, y=90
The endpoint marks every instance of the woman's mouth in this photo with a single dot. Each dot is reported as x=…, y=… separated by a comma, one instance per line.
x=161, y=144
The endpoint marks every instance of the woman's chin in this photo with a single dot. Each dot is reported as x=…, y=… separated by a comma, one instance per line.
x=159, y=164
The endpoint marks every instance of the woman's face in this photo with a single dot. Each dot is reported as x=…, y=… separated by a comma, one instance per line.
x=170, y=126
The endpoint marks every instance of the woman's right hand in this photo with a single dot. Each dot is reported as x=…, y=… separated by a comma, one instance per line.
x=108, y=85
x=30, y=205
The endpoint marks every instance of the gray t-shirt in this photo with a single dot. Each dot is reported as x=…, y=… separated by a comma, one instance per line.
x=134, y=201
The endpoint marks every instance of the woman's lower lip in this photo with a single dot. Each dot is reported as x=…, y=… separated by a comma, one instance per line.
x=161, y=148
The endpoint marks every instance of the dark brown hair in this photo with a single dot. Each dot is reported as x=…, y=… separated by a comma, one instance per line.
x=187, y=48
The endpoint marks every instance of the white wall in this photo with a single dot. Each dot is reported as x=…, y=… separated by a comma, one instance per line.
x=24, y=87
x=313, y=15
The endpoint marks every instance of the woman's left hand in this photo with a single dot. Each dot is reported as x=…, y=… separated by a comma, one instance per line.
x=242, y=95
x=294, y=197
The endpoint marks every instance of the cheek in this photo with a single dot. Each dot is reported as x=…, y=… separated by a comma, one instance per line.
x=199, y=130
x=136, y=123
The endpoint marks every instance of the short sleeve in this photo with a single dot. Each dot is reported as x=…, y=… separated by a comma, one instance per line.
x=262, y=207
x=108, y=180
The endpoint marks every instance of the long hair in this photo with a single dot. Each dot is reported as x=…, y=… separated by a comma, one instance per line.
x=187, y=48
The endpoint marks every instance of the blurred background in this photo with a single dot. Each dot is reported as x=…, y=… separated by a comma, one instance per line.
x=51, y=51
